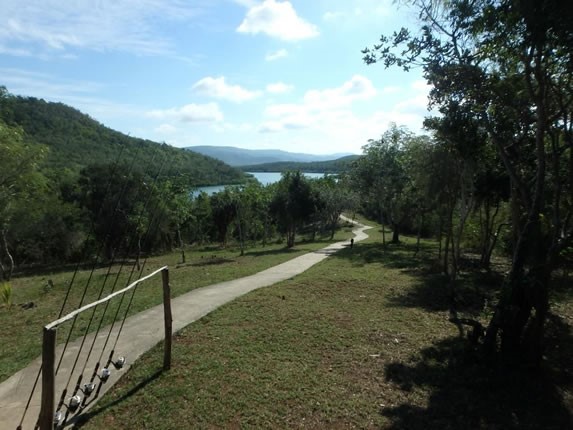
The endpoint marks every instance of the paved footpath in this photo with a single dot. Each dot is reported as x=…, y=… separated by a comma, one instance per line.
x=144, y=330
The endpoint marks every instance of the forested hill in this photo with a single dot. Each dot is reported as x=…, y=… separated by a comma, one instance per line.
x=339, y=165
x=249, y=157
x=76, y=140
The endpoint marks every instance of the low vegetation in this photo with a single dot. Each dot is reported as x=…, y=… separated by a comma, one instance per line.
x=38, y=297
x=363, y=340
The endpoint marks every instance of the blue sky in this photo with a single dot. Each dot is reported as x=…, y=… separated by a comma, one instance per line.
x=256, y=74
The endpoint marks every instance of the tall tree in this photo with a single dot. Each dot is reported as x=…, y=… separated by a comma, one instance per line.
x=19, y=179
x=509, y=63
x=293, y=204
x=381, y=174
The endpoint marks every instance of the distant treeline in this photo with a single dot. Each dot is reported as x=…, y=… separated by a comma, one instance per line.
x=339, y=165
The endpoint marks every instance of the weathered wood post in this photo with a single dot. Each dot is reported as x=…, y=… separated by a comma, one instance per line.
x=46, y=420
x=168, y=319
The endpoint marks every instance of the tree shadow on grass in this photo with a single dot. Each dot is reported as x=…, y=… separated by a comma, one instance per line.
x=215, y=261
x=431, y=290
x=262, y=253
x=465, y=393
x=104, y=404
x=400, y=256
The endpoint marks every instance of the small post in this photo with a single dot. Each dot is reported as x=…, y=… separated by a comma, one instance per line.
x=168, y=319
x=46, y=420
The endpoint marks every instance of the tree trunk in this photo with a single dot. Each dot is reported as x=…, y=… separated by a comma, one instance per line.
x=7, y=273
x=522, y=332
x=446, y=264
x=333, y=227
x=440, y=238
x=138, y=255
x=395, y=233
x=421, y=221
x=291, y=233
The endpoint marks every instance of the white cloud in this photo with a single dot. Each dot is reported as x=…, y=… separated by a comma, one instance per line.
x=329, y=119
x=277, y=19
x=272, y=56
x=223, y=127
x=421, y=85
x=332, y=16
x=357, y=88
x=81, y=94
x=45, y=27
x=318, y=106
x=218, y=88
x=165, y=129
x=208, y=112
x=279, y=88
x=246, y=3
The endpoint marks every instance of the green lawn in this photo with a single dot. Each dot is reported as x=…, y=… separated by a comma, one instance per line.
x=362, y=340
x=22, y=328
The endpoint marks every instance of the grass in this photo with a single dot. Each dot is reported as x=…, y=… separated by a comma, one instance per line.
x=361, y=340
x=22, y=328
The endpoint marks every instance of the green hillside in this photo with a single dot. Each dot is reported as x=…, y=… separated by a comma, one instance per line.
x=339, y=165
x=76, y=140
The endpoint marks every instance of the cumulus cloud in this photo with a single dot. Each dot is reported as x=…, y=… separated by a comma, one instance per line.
x=332, y=16
x=272, y=56
x=279, y=88
x=165, y=129
x=318, y=106
x=208, y=112
x=218, y=88
x=277, y=19
x=357, y=88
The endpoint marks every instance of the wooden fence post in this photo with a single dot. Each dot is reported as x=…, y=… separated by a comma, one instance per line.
x=46, y=420
x=168, y=319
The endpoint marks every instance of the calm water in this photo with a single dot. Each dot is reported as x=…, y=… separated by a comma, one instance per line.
x=264, y=178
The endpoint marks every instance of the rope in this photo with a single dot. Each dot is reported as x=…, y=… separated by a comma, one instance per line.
x=115, y=211
x=90, y=233
x=99, y=296
x=128, y=251
x=132, y=242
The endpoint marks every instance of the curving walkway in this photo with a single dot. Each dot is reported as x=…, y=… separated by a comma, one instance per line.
x=145, y=329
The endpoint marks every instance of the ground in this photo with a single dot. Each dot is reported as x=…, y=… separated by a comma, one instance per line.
x=362, y=340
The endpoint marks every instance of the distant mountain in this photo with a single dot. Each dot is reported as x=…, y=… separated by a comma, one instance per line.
x=247, y=157
x=76, y=140
x=339, y=165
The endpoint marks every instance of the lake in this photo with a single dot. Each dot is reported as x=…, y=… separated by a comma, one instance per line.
x=264, y=178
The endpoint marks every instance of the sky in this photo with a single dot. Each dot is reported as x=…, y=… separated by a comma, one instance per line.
x=255, y=74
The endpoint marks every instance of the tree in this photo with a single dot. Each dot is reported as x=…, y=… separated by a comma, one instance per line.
x=381, y=175
x=19, y=179
x=335, y=197
x=223, y=211
x=293, y=204
x=121, y=203
x=508, y=64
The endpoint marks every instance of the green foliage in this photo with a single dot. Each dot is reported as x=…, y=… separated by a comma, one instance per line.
x=384, y=179
x=501, y=77
x=294, y=202
x=6, y=294
x=75, y=140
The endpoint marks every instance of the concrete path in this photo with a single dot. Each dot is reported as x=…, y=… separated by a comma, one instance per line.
x=143, y=331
